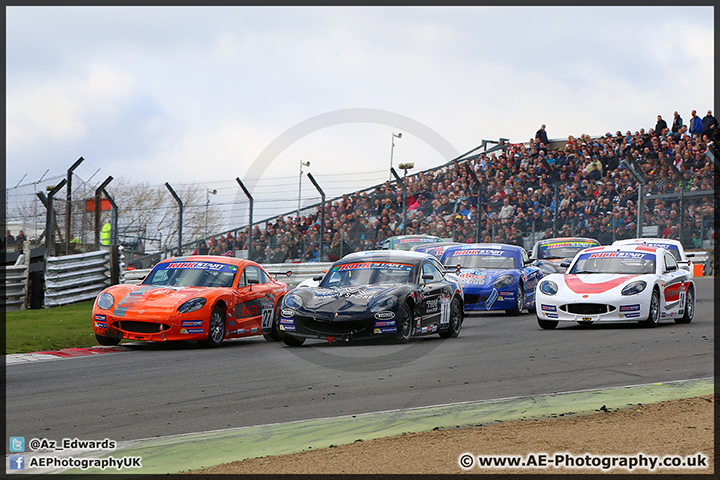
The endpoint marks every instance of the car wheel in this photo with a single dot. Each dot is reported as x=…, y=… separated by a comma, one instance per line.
x=689, y=307
x=291, y=341
x=519, y=301
x=274, y=335
x=216, y=329
x=404, y=326
x=107, y=340
x=456, y=319
x=547, y=324
x=654, y=315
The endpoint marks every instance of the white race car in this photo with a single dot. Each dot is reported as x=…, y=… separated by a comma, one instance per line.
x=617, y=283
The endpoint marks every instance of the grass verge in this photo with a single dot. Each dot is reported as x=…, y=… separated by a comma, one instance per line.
x=49, y=328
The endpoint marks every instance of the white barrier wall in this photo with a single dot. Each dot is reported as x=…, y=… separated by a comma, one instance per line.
x=74, y=278
x=16, y=277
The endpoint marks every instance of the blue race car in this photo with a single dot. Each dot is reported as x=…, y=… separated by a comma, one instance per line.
x=494, y=276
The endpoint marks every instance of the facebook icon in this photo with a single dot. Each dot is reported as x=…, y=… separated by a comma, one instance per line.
x=17, y=462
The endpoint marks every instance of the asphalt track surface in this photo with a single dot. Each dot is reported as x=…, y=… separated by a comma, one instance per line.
x=158, y=390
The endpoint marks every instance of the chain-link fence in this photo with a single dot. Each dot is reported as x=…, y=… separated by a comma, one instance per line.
x=476, y=197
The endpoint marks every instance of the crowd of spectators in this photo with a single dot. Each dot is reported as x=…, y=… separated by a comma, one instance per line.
x=597, y=197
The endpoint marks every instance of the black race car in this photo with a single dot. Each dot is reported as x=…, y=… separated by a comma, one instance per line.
x=376, y=293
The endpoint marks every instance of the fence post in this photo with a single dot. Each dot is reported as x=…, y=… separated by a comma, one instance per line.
x=180, y=217
x=634, y=168
x=69, y=202
x=321, y=230
x=97, y=209
x=113, y=218
x=250, y=199
x=404, y=189
x=50, y=219
x=471, y=172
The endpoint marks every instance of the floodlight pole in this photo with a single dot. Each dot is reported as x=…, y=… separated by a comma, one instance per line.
x=250, y=199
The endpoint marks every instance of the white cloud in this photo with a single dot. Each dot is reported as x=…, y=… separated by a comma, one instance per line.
x=61, y=109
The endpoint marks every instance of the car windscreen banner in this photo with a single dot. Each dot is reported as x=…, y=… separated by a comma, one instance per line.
x=210, y=266
x=620, y=255
x=372, y=266
x=573, y=244
x=484, y=252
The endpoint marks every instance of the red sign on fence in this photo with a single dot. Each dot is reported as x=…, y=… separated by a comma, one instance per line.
x=90, y=204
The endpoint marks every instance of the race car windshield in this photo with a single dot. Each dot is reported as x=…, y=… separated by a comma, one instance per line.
x=192, y=274
x=367, y=273
x=408, y=243
x=553, y=251
x=494, y=262
x=614, y=262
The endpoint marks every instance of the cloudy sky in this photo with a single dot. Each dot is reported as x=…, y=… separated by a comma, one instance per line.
x=207, y=94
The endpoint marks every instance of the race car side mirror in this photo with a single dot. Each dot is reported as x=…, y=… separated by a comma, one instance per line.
x=565, y=264
x=427, y=277
x=317, y=278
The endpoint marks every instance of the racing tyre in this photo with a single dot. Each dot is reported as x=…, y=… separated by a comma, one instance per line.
x=107, y=340
x=547, y=324
x=456, y=319
x=216, y=330
x=404, y=326
x=654, y=315
x=689, y=307
x=291, y=341
x=519, y=301
x=274, y=335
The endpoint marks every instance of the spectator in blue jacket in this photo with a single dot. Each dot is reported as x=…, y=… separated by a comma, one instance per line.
x=695, y=124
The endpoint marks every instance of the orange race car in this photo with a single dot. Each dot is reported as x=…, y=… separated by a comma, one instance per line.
x=203, y=298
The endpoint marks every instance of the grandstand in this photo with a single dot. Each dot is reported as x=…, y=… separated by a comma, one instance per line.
x=586, y=186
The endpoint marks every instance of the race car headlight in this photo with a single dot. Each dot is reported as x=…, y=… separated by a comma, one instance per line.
x=293, y=301
x=383, y=304
x=192, y=305
x=634, y=288
x=548, y=287
x=105, y=301
x=503, y=281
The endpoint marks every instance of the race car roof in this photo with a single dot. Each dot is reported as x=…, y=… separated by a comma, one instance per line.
x=386, y=256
